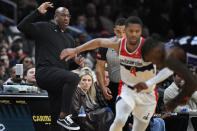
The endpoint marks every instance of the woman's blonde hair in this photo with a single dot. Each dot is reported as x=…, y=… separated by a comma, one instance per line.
x=91, y=92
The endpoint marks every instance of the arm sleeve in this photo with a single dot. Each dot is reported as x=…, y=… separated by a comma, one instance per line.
x=101, y=55
x=161, y=76
x=30, y=29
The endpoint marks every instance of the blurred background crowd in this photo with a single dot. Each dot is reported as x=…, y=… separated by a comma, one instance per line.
x=90, y=19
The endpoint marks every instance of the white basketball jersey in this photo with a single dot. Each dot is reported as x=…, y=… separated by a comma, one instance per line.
x=132, y=67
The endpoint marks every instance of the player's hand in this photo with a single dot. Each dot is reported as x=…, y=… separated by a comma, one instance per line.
x=68, y=53
x=140, y=86
x=80, y=60
x=43, y=7
x=107, y=93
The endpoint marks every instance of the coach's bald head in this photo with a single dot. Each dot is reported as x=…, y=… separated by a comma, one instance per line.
x=62, y=17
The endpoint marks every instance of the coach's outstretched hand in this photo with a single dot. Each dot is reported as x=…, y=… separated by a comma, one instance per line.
x=68, y=53
x=43, y=7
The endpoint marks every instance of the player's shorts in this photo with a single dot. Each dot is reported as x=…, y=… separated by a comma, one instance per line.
x=143, y=104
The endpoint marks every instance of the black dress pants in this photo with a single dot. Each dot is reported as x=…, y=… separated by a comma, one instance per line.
x=60, y=84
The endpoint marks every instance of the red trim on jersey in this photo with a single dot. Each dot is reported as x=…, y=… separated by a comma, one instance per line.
x=122, y=44
x=156, y=93
x=156, y=96
x=135, y=54
x=120, y=87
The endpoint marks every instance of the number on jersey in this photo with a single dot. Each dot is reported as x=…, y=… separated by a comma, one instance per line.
x=132, y=71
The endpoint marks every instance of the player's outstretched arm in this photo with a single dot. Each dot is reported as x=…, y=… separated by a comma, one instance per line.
x=90, y=45
x=100, y=73
x=161, y=76
x=190, y=82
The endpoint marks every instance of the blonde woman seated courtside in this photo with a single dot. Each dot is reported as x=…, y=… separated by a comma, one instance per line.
x=94, y=118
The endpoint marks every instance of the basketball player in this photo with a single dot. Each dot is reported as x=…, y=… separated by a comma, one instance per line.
x=174, y=55
x=133, y=70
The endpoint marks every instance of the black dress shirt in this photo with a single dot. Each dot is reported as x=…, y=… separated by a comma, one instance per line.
x=49, y=41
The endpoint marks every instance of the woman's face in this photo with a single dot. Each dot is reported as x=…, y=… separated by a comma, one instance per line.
x=86, y=82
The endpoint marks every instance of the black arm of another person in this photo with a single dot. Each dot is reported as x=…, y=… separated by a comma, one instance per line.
x=190, y=85
x=73, y=65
